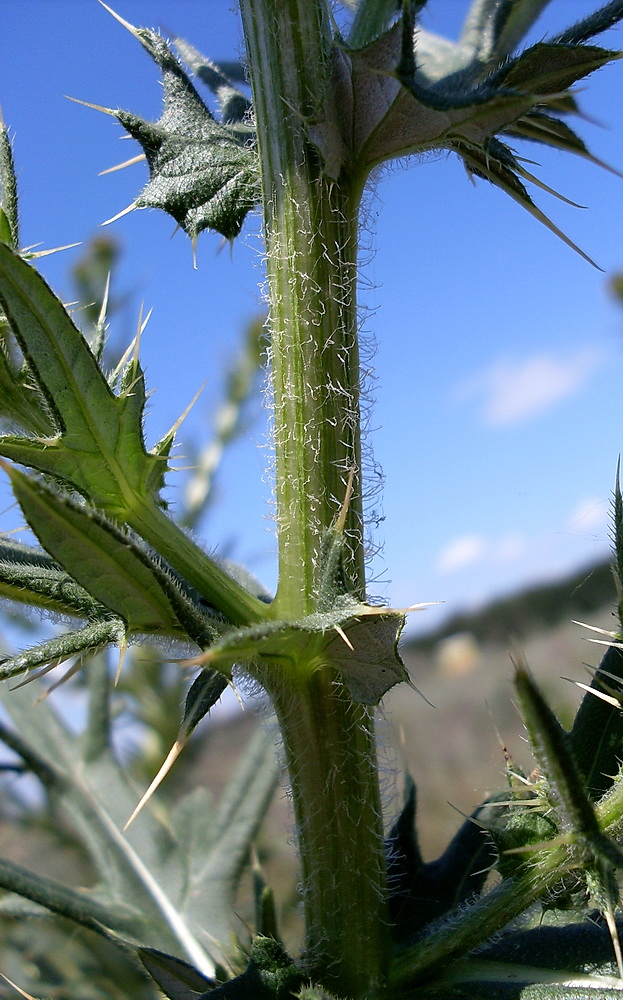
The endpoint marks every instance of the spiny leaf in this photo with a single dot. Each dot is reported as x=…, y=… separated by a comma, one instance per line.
x=459, y=96
x=95, y=635
x=113, y=564
x=234, y=105
x=359, y=640
x=540, y=127
x=421, y=893
x=600, y=20
x=98, y=449
x=548, y=68
x=97, y=554
x=205, y=691
x=203, y=173
x=495, y=163
x=99, y=445
x=565, y=783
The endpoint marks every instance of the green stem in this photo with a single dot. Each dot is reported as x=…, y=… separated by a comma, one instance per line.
x=311, y=249
x=202, y=572
x=330, y=752
x=311, y=243
x=468, y=928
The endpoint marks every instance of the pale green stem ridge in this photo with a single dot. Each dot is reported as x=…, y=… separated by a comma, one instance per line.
x=311, y=247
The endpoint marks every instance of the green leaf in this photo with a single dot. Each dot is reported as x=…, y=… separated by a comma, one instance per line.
x=58, y=898
x=235, y=107
x=213, y=877
x=548, y=68
x=579, y=944
x=496, y=164
x=99, y=449
x=170, y=873
x=371, y=20
x=99, y=446
x=204, y=693
x=421, y=893
x=565, y=783
x=493, y=30
x=203, y=173
x=98, y=554
x=602, y=19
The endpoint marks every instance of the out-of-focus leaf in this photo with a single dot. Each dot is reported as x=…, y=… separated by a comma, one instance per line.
x=169, y=876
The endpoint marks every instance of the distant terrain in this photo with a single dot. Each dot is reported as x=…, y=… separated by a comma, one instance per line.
x=531, y=609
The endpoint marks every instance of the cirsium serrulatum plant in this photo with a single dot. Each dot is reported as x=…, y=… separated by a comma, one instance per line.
x=329, y=105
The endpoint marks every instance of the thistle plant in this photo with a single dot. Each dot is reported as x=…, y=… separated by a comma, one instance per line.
x=524, y=901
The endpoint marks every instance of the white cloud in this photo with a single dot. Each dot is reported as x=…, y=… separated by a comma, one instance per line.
x=461, y=552
x=469, y=549
x=512, y=391
x=591, y=515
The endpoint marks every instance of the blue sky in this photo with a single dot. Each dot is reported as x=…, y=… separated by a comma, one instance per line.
x=497, y=351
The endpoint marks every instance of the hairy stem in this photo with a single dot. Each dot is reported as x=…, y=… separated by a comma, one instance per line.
x=331, y=758
x=311, y=242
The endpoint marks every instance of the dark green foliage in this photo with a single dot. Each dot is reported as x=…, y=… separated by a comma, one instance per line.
x=421, y=893
x=579, y=947
x=178, y=980
x=204, y=693
x=597, y=734
x=270, y=975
